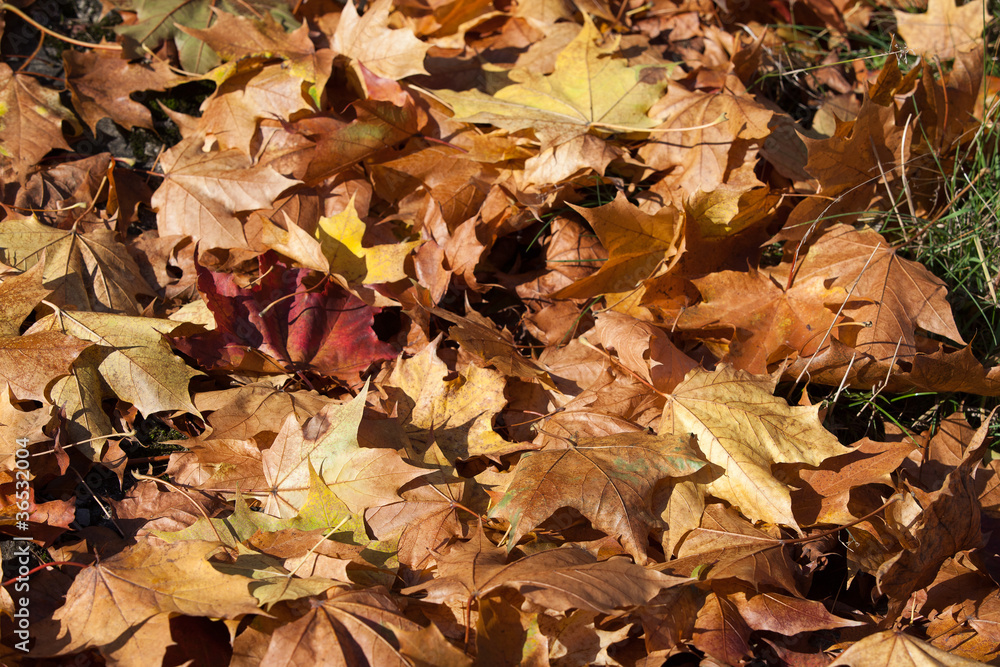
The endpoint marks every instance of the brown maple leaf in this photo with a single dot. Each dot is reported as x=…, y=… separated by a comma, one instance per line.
x=944, y=30
x=609, y=480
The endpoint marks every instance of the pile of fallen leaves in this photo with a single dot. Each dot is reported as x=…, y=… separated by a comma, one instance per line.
x=447, y=400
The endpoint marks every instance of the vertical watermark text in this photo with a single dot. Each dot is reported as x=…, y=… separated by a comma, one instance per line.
x=22, y=547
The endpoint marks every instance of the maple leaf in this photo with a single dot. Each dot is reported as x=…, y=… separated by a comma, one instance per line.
x=389, y=53
x=590, y=89
x=428, y=646
x=31, y=119
x=458, y=411
x=314, y=148
x=425, y=520
x=226, y=464
x=28, y=363
x=948, y=523
x=703, y=156
x=637, y=243
x=558, y=579
x=246, y=96
x=236, y=37
x=720, y=631
x=609, y=480
x=120, y=593
x=15, y=422
x=230, y=531
x=244, y=412
x=19, y=295
x=849, y=167
x=358, y=477
x=319, y=147
x=893, y=647
x=101, y=84
x=770, y=323
x=80, y=395
x=161, y=20
x=134, y=359
x=902, y=295
x=744, y=429
x=340, y=239
x=780, y=613
x=479, y=336
x=944, y=30
x=348, y=625
x=327, y=330
x=826, y=495
x=202, y=192
x=90, y=271
x=729, y=547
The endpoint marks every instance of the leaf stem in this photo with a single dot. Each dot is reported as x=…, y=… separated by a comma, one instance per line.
x=42, y=567
x=157, y=480
x=63, y=38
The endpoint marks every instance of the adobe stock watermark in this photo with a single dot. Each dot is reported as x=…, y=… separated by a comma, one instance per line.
x=22, y=547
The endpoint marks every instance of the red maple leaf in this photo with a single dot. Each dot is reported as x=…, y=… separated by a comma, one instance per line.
x=321, y=328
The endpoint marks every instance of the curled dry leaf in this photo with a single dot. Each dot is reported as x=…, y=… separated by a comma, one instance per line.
x=609, y=480
x=560, y=579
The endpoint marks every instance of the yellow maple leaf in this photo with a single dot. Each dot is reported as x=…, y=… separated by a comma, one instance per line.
x=340, y=240
x=590, y=88
x=743, y=429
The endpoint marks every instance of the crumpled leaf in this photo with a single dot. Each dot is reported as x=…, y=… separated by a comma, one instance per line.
x=250, y=94
x=161, y=20
x=638, y=244
x=457, y=413
x=236, y=37
x=101, y=85
x=948, y=523
x=609, y=480
x=701, y=156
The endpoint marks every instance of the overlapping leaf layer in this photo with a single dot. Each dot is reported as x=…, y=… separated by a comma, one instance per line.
x=485, y=327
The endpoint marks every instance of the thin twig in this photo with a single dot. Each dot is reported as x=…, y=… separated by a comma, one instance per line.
x=62, y=38
x=839, y=311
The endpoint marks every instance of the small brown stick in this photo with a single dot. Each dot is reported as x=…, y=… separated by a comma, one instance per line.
x=63, y=38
